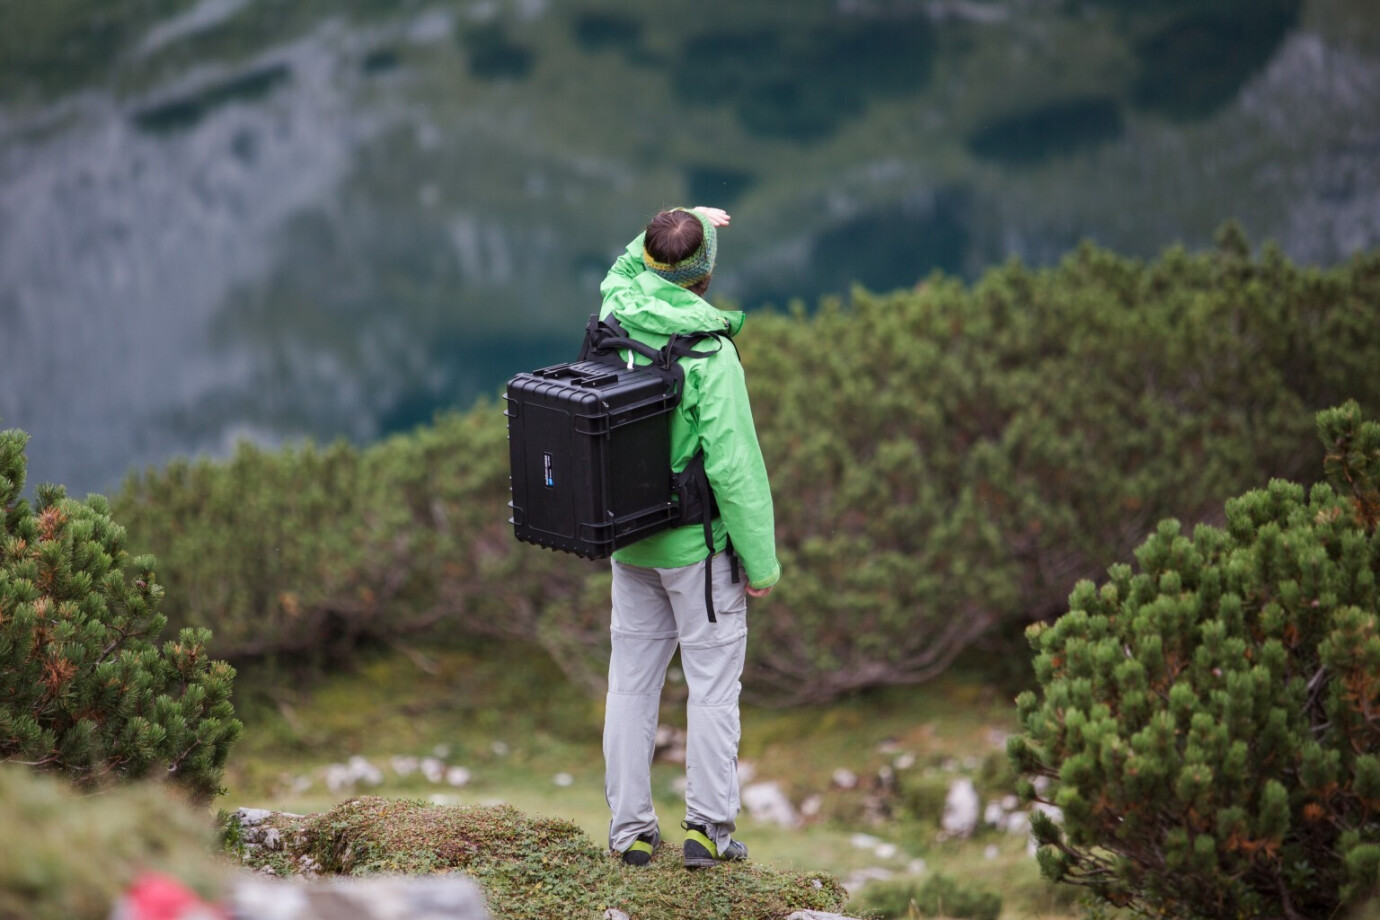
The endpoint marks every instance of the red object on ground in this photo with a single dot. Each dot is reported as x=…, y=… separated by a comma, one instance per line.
x=157, y=897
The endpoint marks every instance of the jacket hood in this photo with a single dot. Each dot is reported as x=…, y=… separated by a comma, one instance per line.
x=668, y=309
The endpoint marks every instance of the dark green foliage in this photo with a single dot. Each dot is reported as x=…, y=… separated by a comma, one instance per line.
x=598, y=30
x=1194, y=65
x=184, y=113
x=713, y=183
x=84, y=690
x=1208, y=724
x=886, y=247
x=61, y=45
x=802, y=84
x=938, y=895
x=495, y=56
x=1057, y=129
x=309, y=551
x=947, y=459
x=944, y=460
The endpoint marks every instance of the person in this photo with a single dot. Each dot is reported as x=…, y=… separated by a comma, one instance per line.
x=655, y=289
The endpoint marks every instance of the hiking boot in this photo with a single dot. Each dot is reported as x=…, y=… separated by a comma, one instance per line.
x=640, y=853
x=701, y=851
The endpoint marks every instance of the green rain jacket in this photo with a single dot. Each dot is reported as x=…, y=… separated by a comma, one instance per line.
x=713, y=414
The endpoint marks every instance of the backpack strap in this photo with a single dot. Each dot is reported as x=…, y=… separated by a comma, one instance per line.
x=697, y=504
x=604, y=338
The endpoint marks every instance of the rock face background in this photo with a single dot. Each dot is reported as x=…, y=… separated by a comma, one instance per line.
x=250, y=218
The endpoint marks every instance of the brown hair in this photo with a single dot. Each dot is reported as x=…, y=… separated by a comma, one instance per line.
x=673, y=236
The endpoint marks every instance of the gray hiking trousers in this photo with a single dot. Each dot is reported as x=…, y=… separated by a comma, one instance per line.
x=653, y=611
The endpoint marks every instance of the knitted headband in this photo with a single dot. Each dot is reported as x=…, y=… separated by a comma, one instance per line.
x=696, y=267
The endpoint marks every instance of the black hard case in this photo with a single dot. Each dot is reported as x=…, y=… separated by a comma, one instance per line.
x=589, y=445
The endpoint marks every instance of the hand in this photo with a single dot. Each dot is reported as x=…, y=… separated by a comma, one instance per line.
x=717, y=216
x=759, y=592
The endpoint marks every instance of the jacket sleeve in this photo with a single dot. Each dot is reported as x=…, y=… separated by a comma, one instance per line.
x=736, y=470
x=617, y=287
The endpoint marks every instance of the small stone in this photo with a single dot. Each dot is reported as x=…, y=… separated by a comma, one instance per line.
x=990, y=851
x=961, y=806
x=364, y=771
x=250, y=817
x=458, y=776
x=669, y=745
x=812, y=805
x=563, y=780
x=864, y=841
x=861, y=877
x=845, y=778
x=766, y=802
x=338, y=777
x=614, y=914
x=886, y=850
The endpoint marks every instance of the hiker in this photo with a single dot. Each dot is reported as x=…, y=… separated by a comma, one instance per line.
x=655, y=289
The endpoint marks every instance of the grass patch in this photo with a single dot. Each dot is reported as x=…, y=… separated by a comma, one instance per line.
x=533, y=867
x=512, y=722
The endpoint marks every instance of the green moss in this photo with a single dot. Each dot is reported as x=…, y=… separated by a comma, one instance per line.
x=535, y=867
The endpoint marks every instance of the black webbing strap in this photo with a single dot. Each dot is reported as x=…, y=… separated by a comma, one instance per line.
x=603, y=339
x=697, y=503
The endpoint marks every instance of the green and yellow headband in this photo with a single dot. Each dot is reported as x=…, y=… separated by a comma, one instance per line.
x=696, y=267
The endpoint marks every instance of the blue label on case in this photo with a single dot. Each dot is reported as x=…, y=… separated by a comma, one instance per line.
x=549, y=476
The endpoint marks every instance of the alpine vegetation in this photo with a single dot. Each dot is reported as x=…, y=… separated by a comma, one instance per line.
x=1208, y=724
x=84, y=689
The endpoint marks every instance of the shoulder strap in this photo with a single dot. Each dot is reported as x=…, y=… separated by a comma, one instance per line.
x=604, y=338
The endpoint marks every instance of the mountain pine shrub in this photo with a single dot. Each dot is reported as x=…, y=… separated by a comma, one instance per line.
x=1210, y=724
x=84, y=690
x=946, y=461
